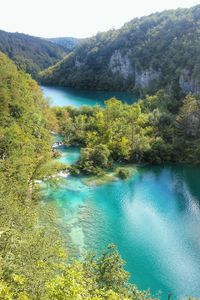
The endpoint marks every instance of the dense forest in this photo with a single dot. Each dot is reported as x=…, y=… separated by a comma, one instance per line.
x=33, y=260
x=146, y=54
x=30, y=53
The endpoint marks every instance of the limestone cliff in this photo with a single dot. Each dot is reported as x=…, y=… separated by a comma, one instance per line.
x=121, y=65
x=188, y=83
x=144, y=79
x=78, y=63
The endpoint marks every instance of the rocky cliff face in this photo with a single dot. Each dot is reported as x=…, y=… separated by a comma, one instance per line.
x=192, y=125
x=145, y=78
x=121, y=65
x=78, y=63
x=188, y=83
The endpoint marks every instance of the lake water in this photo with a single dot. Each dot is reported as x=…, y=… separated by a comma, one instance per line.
x=61, y=96
x=153, y=218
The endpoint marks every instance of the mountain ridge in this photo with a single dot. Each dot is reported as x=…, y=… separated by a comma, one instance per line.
x=146, y=54
x=67, y=42
x=30, y=53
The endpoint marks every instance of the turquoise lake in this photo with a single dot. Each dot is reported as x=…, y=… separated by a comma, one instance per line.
x=61, y=96
x=153, y=218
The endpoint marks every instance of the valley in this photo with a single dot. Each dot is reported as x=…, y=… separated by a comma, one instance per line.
x=99, y=154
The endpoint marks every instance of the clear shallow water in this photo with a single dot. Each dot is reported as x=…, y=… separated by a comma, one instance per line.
x=69, y=154
x=153, y=217
x=61, y=96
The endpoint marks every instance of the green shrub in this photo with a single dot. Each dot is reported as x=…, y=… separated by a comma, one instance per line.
x=74, y=170
x=123, y=173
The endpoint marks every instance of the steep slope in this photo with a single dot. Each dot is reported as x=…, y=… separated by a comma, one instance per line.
x=68, y=42
x=161, y=50
x=30, y=53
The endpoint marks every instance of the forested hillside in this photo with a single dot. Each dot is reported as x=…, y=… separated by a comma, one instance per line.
x=30, y=53
x=33, y=262
x=158, y=51
x=68, y=42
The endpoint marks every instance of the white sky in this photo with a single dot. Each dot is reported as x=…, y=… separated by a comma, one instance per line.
x=77, y=18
